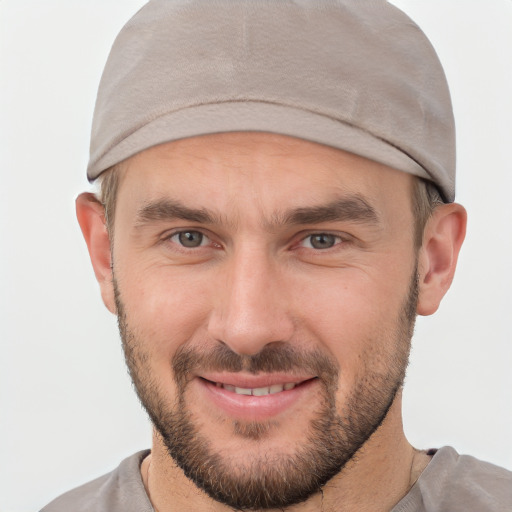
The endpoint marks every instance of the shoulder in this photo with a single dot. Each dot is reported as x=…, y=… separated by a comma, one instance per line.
x=453, y=483
x=119, y=490
x=475, y=481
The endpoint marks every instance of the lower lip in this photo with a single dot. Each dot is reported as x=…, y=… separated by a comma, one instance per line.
x=255, y=408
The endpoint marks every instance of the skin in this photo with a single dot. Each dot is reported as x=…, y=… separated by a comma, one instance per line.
x=257, y=281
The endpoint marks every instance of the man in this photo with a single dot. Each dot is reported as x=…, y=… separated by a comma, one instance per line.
x=277, y=186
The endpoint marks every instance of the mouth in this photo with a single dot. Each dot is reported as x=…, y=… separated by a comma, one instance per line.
x=255, y=397
x=258, y=391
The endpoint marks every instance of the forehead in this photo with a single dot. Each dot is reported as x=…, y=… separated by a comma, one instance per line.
x=272, y=170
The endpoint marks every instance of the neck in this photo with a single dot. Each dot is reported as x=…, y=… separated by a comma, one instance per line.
x=380, y=474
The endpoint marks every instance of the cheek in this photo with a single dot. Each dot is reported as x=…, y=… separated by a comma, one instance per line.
x=165, y=309
x=356, y=317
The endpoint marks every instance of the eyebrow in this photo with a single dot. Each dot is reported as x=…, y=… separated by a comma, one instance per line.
x=353, y=208
x=166, y=209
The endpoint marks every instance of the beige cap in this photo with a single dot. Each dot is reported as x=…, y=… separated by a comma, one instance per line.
x=357, y=75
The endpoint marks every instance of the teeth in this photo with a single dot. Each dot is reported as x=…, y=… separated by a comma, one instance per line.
x=243, y=391
x=260, y=391
x=276, y=388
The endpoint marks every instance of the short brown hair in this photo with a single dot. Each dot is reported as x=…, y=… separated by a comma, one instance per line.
x=426, y=198
x=108, y=184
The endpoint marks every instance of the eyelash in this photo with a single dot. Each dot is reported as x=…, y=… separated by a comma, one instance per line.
x=174, y=238
x=336, y=239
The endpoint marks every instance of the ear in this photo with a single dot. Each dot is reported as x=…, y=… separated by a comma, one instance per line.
x=91, y=217
x=442, y=240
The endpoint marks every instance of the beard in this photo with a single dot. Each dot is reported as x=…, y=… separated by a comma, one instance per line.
x=270, y=479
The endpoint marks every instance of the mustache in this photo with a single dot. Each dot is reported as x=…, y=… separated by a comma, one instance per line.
x=273, y=358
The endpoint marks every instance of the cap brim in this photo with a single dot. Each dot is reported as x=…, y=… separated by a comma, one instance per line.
x=255, y=116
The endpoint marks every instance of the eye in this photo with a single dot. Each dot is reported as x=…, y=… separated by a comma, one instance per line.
x=321, y=241
x=190, y=239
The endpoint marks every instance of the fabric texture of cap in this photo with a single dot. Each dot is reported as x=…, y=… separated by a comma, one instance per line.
x=357, y=75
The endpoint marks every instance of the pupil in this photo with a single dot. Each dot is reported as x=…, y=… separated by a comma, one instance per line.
x=191, y=238
x=322, y=241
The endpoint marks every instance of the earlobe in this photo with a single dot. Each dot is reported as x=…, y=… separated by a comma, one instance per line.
x=91, y=217
x=442, y=240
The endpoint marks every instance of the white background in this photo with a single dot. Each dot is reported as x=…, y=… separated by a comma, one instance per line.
x=67, y=411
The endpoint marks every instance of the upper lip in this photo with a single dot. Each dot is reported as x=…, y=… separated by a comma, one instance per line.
x=254, y=381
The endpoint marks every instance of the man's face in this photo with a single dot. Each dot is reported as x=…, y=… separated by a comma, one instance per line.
x=266, y=291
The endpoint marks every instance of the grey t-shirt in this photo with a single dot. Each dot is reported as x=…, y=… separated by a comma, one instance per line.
x=450, y=483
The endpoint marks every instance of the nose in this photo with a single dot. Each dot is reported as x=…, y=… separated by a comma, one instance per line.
x=251, y=309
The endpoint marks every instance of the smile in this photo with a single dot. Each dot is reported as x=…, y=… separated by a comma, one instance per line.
x=263, y=391
x=255, y=397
